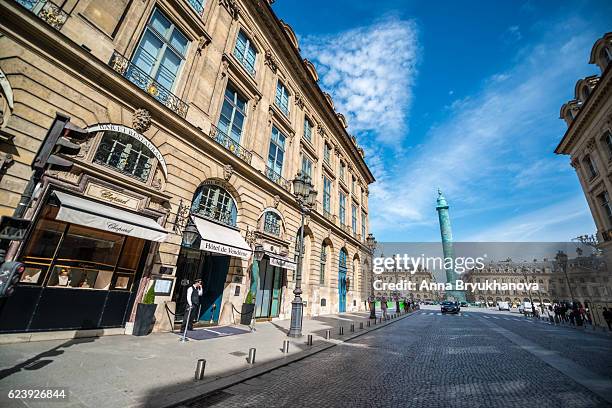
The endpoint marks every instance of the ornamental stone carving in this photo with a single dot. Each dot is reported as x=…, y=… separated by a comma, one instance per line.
x=276, y=201
x=141, y=120
x=232, y=8
x=299, y=100
x=203, y=41
x=270, y=61
x=575, y=164
x=590, y=145
x=228, y=170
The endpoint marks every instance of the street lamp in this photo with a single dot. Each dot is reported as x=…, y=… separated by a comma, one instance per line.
x=371, y=244
x=561, y=258
x=190, y=234
x=306, y=196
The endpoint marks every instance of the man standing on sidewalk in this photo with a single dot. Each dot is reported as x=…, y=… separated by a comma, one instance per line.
x=193, y=302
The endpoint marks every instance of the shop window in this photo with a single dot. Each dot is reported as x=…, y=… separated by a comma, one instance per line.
x=272, y=223
x=125, y=154
x=216, y=203
x=323, y=263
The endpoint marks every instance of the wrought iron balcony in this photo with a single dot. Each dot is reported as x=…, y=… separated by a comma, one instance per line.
x=197, y=5
x=47, y=11
x=230, y=144
x=330, y=217
x=145, y=82
x=277, y=178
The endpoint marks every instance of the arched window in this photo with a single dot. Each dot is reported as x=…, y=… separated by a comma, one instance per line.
x=607, y=140
x=125, y=154
x=214, y=202
x=272, y=223
x=323, y=263
x=591, y=167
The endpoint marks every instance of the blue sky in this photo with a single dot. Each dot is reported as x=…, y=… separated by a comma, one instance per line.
x=464, y=96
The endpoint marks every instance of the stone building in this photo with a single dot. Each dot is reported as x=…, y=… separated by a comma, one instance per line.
x=199, y=115
x=587, y=281
x=588, y=142
x=588, y=139
x=507, y=272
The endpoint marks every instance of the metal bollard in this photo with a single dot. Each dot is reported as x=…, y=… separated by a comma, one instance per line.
x=200, y=367
x=369, y=323
x=360, y=325
x=341, y=330
x=251, y=356
x=286, y=346
x=327, y=334
x=309, y=341
x=352, y=327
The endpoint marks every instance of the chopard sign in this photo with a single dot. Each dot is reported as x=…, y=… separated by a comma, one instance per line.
x=111, y=196
x=101, y=127
x=119, y=228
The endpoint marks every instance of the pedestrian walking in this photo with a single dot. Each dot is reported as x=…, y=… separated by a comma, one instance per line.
x=383, y=307
x=193, y=302
x=607, y=315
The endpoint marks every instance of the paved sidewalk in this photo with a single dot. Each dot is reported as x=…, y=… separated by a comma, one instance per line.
x=157, y=370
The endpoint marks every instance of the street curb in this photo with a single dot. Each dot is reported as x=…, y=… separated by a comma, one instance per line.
x=236, y=377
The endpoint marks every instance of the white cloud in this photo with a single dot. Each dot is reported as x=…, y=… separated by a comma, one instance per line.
x=369, y=72
x=558, y=222
x=477, y=155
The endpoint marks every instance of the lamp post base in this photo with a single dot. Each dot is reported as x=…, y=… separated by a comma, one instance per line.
x=295, y=329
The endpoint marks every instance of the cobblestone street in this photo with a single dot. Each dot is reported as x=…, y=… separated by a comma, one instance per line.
x=474, y=359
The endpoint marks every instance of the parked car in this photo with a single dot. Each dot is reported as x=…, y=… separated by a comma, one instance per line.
x=464, y=304
x=503, y=306
x=525, y=308
x=449, y=307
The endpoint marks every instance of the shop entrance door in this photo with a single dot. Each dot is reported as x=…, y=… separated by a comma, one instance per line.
x=212, y=269
x=342, y=282
x=214, y=274
x=269, y=290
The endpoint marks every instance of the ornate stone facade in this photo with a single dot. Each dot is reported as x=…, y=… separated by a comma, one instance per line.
x=87, y=65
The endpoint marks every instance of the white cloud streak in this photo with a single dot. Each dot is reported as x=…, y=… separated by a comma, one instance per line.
x=370, y=72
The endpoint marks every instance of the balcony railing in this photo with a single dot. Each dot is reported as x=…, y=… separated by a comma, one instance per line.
x=48, y=12
x=329, y=216
x=197, y=5
x=345, y=228
x=145, y=82
x=277, y=178
x=230, y=144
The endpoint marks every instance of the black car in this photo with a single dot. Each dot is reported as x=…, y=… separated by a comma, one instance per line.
x=449, y=307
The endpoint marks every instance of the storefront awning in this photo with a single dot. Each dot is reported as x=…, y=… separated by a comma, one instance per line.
x=281, y=261
x=77, y=210
x=221, y=239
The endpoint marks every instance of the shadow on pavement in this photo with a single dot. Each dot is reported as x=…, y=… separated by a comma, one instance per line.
x=44, y=359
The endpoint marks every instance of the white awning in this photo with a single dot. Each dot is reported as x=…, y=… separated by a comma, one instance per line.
x=221, y=239
x=281, y=261
x=77, y=210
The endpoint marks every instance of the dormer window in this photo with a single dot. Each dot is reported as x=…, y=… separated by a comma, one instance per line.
x=245, y=52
